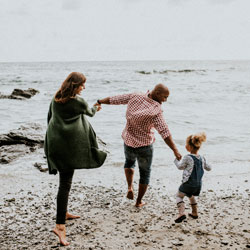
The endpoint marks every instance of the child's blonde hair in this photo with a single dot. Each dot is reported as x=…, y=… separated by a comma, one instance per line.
x=196, y=140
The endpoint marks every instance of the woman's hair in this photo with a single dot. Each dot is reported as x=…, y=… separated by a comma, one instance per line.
x=196, y=140
x=69, y=87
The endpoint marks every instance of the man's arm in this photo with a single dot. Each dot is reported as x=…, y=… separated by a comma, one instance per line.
x=169, y=141
x=104, y=101
x=162, y=128
x=116, y=100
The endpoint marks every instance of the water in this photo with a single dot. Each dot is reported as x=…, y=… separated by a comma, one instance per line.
x=214, y=97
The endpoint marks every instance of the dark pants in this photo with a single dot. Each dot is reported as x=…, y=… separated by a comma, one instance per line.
x=144, y=156
x=65, y=180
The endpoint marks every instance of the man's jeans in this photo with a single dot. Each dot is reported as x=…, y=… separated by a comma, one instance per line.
x=144, y=156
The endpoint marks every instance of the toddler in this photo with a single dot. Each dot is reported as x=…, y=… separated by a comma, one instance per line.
x=193, y=166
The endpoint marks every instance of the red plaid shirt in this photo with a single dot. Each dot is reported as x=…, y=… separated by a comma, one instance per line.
x=143, y=115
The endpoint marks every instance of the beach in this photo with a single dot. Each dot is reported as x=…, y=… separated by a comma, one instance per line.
x=210, y=96
x=110, y=221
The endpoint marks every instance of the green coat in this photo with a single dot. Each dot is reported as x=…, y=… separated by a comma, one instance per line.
x=70, y=141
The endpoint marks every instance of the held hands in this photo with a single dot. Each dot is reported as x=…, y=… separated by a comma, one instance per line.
x=177, y=155
x=99, y=106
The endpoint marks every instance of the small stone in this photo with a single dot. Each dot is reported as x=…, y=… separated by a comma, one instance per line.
x=177, y=243
x=11, y=200
x=224, y=242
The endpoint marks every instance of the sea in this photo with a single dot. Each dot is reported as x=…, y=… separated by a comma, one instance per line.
x=205, y=96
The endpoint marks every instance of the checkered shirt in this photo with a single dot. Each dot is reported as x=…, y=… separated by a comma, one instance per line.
x=143, y=115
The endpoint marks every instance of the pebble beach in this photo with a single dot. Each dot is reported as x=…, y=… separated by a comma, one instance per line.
x=110, y=221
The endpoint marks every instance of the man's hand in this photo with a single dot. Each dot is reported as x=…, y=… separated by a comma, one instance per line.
x=177, y=155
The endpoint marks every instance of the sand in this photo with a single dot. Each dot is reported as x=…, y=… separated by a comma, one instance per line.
x=110, y=221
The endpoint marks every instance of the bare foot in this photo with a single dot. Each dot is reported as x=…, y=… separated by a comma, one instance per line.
x=141, y=204
x=60, y=231
x=130, y=194
x=71, y=216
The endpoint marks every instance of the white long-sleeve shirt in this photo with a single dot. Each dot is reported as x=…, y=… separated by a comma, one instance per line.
x=187, y=164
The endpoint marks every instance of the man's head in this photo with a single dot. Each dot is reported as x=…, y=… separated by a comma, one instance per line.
x=160, y=93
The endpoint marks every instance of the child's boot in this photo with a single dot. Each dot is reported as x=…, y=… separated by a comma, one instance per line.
x=194, y=213
x=181, y=208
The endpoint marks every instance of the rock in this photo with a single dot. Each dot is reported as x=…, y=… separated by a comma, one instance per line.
x=28, y=138
x=10, y=200
x=12, y=152
x=29, y=134
x=212, y=205
x=226, y=197
x=178, y=71
x=176, y=243
x=20, y=94
x=185, y=231
x=42, y=167
x=224, y=242
x=143, y=72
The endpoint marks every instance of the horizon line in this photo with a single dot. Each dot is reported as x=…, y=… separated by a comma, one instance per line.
x=141, y=60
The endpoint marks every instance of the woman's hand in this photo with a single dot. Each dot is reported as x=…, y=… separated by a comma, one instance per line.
x=99, y=106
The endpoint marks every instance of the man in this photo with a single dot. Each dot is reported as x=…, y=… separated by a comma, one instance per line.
x=143, y=114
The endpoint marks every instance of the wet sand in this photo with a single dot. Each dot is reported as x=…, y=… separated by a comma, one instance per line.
x=110, y=221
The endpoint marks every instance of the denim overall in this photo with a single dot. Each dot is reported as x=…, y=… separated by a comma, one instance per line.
x=193, y=185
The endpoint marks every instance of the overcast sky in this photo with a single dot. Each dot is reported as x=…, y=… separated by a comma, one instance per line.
x=80, y=30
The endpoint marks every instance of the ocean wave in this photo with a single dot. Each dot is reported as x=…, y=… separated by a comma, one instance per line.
x=215, y=140
x=170, y=71
x=15, y=80
x=226, y=69
x=36, y=82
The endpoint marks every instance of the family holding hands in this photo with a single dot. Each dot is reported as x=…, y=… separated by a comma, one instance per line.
x=71, y=144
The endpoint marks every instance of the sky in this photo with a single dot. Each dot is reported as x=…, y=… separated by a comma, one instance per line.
x=101, y=30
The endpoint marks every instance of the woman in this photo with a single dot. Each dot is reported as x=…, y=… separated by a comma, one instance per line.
x=70, y=143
